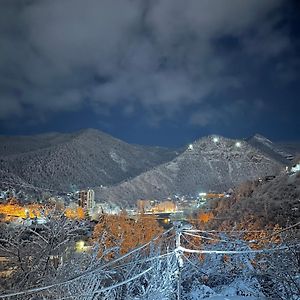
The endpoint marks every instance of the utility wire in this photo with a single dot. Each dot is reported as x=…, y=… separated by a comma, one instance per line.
x=179, y=248
x=206, y=238
x=145, y=260
x=280, y=231
x=188, y=232
x=189, y=242
x=38, y=289
x=193, y=265
x=183, y=249
x=110, y=287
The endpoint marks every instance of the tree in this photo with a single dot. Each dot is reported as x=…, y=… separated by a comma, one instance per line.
x=35, y=253
x=115, y=230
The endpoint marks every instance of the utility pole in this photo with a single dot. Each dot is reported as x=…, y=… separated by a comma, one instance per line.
x=178, y=253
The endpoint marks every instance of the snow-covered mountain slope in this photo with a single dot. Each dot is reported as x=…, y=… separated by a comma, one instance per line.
x=274, y=150
x=209, y=164
x=85, y=158
x=291, y=147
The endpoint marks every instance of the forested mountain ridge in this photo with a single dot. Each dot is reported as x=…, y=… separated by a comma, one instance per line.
x=209, y=164
x=82, y=159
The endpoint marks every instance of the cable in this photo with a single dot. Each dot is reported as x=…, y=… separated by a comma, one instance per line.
x=139, y=248
x=215, y=232
x=189, y=242
x=187, y=231
x=280, y=231
x=239, y=231
x=145, y=260
x=110, y=287
x=38, y=289
x=196, y=268
x=207, y=238
x=180, y=248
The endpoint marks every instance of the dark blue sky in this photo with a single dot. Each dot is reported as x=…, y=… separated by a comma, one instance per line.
x=160, y=72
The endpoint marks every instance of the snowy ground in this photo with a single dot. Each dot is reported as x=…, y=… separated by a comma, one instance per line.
x=234, y=298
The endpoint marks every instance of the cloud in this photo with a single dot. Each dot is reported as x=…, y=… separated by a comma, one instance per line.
x=9, y=107
x=228, y=113
x=160, y=55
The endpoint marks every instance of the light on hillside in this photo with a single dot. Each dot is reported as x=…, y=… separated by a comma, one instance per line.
x=191, y=147
x=215, y=139
x=202, y=194
x=79, y=246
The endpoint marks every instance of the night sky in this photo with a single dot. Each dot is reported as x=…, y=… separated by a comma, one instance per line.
x=157, y=72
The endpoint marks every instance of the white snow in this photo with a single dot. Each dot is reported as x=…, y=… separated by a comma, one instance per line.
x=233, y=298
x=119, y=160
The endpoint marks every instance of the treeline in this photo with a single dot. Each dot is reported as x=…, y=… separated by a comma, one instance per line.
x=258, y=205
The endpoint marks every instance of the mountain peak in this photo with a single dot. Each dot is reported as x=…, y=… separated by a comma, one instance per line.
x=89, y=131
x=259, y=137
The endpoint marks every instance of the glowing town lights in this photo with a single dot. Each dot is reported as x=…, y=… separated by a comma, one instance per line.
x=191, y=147
x=238, y=144
x=202, y=194
x=27, y=213
x=79, y=246
x=167, y=220
x=215, y=139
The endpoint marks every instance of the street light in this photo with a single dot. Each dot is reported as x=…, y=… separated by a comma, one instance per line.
x=202, y=195
x=191, y=147
x=215, y=139
x=238, y=144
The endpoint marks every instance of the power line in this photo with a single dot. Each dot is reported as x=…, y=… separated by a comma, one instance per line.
x=282, y=230
x=111, y=287
x=89, y=272
x=189, y=241
x=239, y=231
x=187, y=231
x=195, y=267
x=207, y=238
x=183, y=249
x=178, y=251
x=145, y=260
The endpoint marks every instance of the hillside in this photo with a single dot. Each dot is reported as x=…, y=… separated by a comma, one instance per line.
x=292, y=147
x=279, y=152
x=262, y=203
x=207, y=166
x=85, y=158
x=122, y=173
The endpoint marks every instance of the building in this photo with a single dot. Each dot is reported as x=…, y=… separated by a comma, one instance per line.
x=86, y=199
x=295, y=168
x=143, y=205
x=165, y=207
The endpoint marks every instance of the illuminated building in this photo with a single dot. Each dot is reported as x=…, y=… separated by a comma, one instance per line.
x=86, y=199
x=165, y=206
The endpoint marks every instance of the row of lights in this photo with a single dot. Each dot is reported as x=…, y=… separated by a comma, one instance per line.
x=237, y=144
x=216, y=140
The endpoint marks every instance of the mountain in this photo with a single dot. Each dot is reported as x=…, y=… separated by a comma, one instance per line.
x=277, y=151
x=209, y=164
x=122, y=173
x=85, y=158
